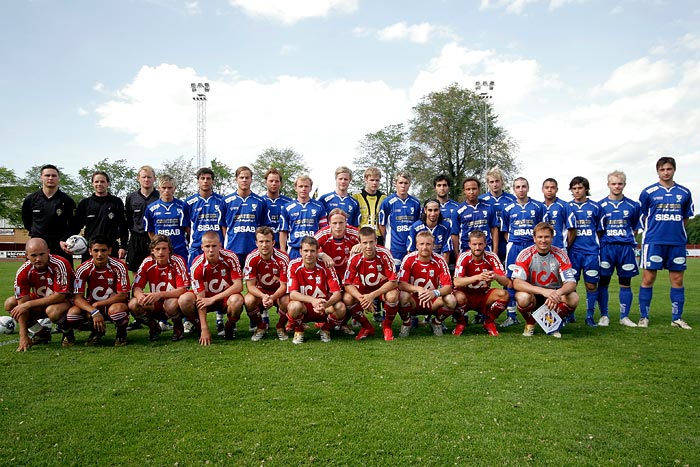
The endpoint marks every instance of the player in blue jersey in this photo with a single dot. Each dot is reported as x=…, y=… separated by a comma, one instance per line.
x=341, y=198
x=274, y=201
x=397, y=213
x=518, y=220
x=442, y=185
x=582, y=244
x=244, y=213
x=472, y=215
x=204, y=212
x=300, y=218
x=167, y=216
x=431, y=219
x=620, y=223
x=498, y=199
x=557, y=212
x=666, y=208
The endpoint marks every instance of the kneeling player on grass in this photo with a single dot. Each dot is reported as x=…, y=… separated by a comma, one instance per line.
x=216, y=286
x=101, y=290
x=42, y=286
x=167, y=279
x=543, y=275
x=370, y=275
x=265, y=275
x=425, y=285
x=474, y=271
x=314, y=293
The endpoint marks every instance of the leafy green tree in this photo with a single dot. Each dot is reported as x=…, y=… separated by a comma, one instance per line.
x=387, y=149
x=290, y=164
x=122, y=178
x=693, y=229
x=184, y=172
x=447, y=136
x=12, y=193
x=224, y=177
x=32, y=182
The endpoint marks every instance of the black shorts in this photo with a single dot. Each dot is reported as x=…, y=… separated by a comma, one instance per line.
x=139, y=247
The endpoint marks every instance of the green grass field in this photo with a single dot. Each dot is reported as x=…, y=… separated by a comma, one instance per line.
x=598, y=397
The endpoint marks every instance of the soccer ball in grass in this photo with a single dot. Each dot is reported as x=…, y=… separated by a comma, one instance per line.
x=7, y=325
x=77, y=244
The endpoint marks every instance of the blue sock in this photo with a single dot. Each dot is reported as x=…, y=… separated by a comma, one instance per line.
x=511, y=303
x=603, y=300
x=625, y=301
x=677, y=302
x=645, y=294
x=591, y=299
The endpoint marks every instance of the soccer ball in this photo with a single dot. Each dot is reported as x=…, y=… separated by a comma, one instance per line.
x=77, y=244
x=7, y=325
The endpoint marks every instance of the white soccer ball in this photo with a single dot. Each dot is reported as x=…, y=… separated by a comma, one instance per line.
x=77, y=244
x=7, y=325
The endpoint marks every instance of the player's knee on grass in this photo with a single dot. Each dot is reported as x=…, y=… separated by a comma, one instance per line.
x=337, y=310
x=295, y=309
x=187, y=302
x=448, y=301
x=391, y=296
x=171, y=307
x=10, y=303
x=572, y=299
x=251, y=301
x=524, y=300
x=406, y=300
x=349, y=299
x=234, y=305
x=56, y=311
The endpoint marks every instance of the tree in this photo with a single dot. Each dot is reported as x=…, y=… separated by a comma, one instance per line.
x=693, y=229
x=122, y=178
x=447, y=134
x=386, y=149
x=290, y=164
x=12, y=194
x=224, y=177
x=183, y=171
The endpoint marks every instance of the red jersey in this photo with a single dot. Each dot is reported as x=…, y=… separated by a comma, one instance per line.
x=549, y=271
x=370, y=274
x=215, y=278
x=162, y=278
x=319, y=282
x=267, y=273
x=102, y=283
x=57, y=278
x=338, y=248
x=468, y=266
x=431, y=275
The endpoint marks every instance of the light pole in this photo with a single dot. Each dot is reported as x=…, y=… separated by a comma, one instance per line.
x=483, y=90
x=200, y=91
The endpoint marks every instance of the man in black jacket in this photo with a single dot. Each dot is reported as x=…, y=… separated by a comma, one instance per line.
x=136, y=204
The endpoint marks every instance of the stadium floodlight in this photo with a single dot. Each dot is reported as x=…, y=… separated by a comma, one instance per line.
x=200, y=91
x=194, y=87
x=483, y=90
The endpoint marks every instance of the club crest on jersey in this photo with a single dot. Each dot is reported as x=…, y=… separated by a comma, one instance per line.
x=59, y=212
x=49, y=281
x=110, y=281
x=223, y=273
x=589, y=212
x=313, y=212
x=484, y=213
x=532, y=212
x=318, y=280
x=110, y=215
x=432, y=273
x=679, y=198
x=254, y=206
x=554, y=213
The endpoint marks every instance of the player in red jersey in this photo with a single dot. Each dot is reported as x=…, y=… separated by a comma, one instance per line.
x=101, y=289
x=371, y=275
x=166, y=275
x=265, y=275
x=42, y=288
x=314, y=293
x=425, y=285
x=474, y=271
x=216, y=285
x=543, y=275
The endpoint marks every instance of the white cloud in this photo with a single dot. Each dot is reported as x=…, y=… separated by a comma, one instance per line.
x=82, y=112
x=617, y=10
x=288, y=49
x=361, y=31
x=99, y=87
x=192, y=8
x=638, y=74
x=517, y=6
x=290, y=12
x=418, y=33
x=690, y=41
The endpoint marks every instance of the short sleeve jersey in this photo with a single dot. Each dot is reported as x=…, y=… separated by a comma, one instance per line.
x=447, y=208
x=243, y=216
x=431, y=275
x=663, y=211
x=370, y=274
x=274, y=208
x=397, y=215
x=338, y=248
x=620, y=221
x=441, y=232
x=99, y=283
x=468, y=218
x=585, y=218
x=318, y=282
x=57, y=278
x=204, y=215
x=267, y=273
x=170, y=276
x=301, y=220
x=519, y=220
x=468, y=266
x=347, y=203
x=549, y=271
x=163, y=218
x=556, y=215
x=212, y=279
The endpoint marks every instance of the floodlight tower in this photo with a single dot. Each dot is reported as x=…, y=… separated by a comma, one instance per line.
x=200, y=91
x=483, y=90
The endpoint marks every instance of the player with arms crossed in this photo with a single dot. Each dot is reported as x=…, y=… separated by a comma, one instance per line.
x=543, y=275
x=497, y=199
x=371, y=275
x=369, y=199
x=101, y=289
x=666, y=207
x=166, y=276
x=216, y=286
x=396, y=215
x=474, y=271
x=167, y=216
x=265, y=275
x=42, y=288
x=301, y=218
x=557, y=212
x=274, y=201
x=472, y=215
x=340, y=198
x=425, y=285
x=314, y=293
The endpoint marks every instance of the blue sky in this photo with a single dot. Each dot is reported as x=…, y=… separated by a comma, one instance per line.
x=583, y=86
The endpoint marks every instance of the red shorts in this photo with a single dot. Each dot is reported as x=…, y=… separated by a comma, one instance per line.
x=478, y=302
x=313, y=316
x=218, y=306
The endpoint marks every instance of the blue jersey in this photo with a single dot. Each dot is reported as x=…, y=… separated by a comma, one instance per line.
x=663, y=212
x=620, y=221
x=204, y=215
x=301, y=220
x=347, y=203
x=519, y=221
x=447, y=209
x=585, y=218
x=468, y=218
x=441, y=232
x=243, y=216
x=274, y=208
x=169, y=219
x=398, y=215
x=498, y=203
x=556, y=215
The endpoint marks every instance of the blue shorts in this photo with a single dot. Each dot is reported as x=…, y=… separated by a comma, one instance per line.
x=512, y=252
x=656, y=257
x=620, y=257
x=589, y=263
